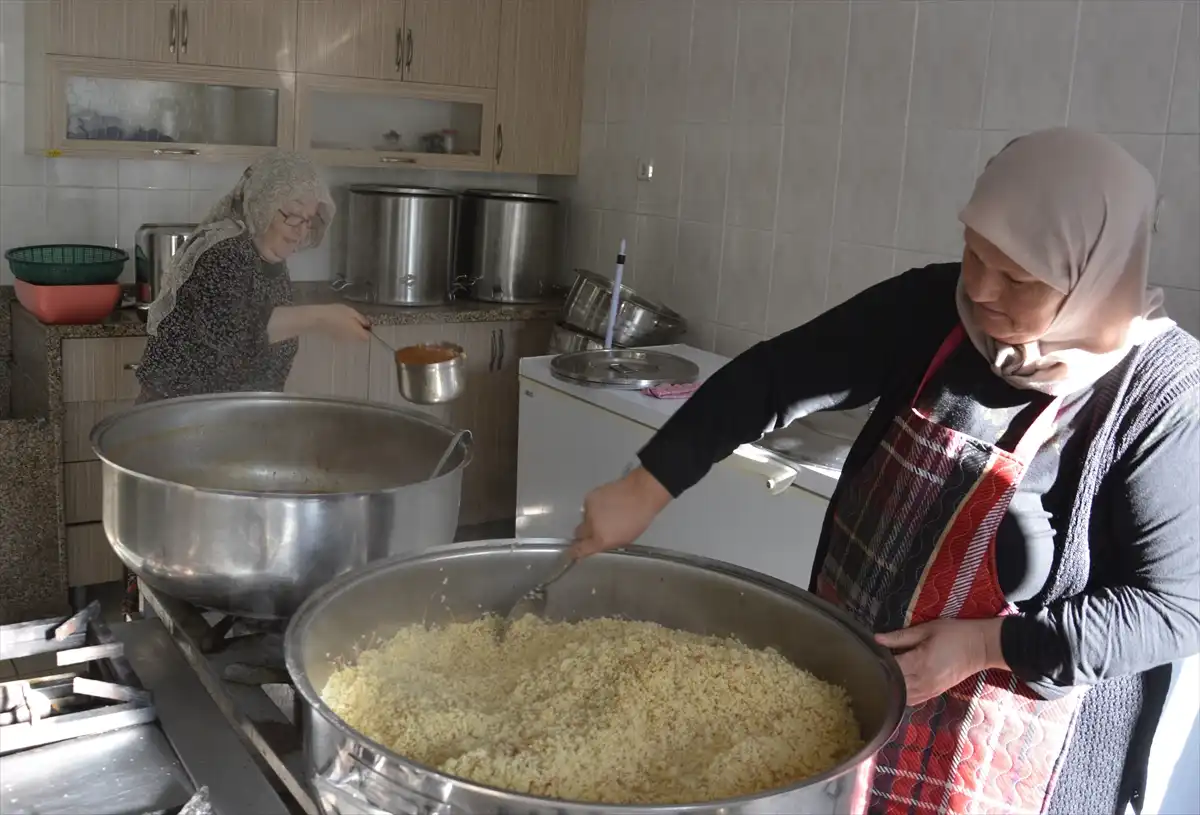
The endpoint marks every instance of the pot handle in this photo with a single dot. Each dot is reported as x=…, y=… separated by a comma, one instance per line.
x=339, y=283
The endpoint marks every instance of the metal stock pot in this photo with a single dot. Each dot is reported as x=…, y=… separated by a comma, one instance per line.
x=247, y=502
x=353, y=774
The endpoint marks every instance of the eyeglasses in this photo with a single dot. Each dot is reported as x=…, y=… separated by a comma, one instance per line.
x=297, y=221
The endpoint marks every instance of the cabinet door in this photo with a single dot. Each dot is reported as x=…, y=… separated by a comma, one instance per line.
x=339, y=37
x=539, y=93
x=452, y=42
x=238, y=33
x=142, y=30
x=326, y=367
x=393, y=41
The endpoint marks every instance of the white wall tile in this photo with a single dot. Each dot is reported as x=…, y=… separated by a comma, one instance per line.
x=880, y=63
x=753, y=176
x=950, y=63
x=16, y=166
x=730, y=342
x=657, y=239
x=22, y=218
x=1183, y=306
x=713, y=57
x=620, y=166
x=595, y=60
x=1123, y=68
x=1148, y=150
x=799, y=273
x=81, y=172
x=83, y=215
x=906, y=260
x=154, y=175
x=816, y=76
x=1175, y=253
x=808, y=180
x=628, y=50
x=705, y=173
x=662, y=145
x=1185, y=97
x=764, y=37
x=745, y=279
x=201, y=201
x=670, y=28
x=697, y=271
x=583, y=239
x=868, y=192
x=939, y=175
x=1029, y=67
x=854, y=268
x=592, y=181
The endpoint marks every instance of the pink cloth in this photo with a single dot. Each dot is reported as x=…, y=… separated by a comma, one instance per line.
x=671, y=391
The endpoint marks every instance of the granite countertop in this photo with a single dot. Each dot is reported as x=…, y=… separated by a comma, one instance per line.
x=128, y=322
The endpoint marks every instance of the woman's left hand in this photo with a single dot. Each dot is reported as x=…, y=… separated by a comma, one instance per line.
x=937, y=655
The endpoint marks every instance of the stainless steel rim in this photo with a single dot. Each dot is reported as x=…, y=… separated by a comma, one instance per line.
x=300, y=620
x=384, y=189
x=104, y=424
x=510, y=195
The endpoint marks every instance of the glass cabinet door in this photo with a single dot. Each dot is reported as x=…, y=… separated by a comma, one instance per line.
x=368, y=123
x=175, y=112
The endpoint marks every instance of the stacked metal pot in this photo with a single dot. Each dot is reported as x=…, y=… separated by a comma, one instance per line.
x=640, y=321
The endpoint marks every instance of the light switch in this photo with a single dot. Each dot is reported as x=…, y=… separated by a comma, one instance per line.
x=645, y=170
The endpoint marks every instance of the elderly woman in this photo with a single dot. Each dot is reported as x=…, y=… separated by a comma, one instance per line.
x=224, y=320
x=1019, y=519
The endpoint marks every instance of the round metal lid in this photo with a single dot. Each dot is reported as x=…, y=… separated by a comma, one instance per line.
x=385, y=189
x=625, y=368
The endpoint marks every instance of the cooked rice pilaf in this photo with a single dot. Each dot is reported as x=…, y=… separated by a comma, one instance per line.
x=604, y=711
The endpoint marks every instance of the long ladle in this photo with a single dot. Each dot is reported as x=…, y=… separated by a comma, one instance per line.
x=449, y=449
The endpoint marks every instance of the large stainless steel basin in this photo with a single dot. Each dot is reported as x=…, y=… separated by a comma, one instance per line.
x=246, y=503
x=353, y=774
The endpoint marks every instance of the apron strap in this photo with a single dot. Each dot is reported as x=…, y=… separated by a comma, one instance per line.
x=1040, y=430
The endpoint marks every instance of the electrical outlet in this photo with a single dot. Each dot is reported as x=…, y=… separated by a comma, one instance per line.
x=645, y=170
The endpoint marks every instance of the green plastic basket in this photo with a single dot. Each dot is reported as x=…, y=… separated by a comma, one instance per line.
x=66, y=264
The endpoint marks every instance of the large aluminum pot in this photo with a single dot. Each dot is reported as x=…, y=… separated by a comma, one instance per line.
x=640, y=322
x=399, y=245
x=507, y=245
x=246, y=503
x=351, y=773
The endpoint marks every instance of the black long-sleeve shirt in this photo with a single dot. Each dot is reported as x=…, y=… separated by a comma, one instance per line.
x=1142, y=605
x=215, y=339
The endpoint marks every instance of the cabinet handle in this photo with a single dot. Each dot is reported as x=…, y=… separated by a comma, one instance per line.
x=179, y=151
x=395, y=160
x=174, y=30
x=492, y=361
x=183, y=39
x=408, y=57
x=499, y=141
x=132, y=366
x=500, y=355
x=399, y=49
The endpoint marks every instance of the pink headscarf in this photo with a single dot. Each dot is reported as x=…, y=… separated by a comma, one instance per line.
x=1077, y=212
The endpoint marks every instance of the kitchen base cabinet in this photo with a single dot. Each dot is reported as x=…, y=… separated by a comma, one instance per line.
x=568, y=446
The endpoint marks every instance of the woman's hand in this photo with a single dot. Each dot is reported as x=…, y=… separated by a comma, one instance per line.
x=340, y=322
x=937, y=655
x=616, y=514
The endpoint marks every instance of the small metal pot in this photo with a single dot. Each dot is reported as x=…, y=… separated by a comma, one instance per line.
x=640, y=321
x=567, y=340
x=432, y=383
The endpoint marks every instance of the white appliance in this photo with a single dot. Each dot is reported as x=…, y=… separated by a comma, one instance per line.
x=751, y=510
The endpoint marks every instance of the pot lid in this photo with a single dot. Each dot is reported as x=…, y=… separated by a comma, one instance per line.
x=625, y=368
x=411, y=191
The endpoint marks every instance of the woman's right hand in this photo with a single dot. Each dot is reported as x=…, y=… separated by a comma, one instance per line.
x=340, y=322
x=617, y=514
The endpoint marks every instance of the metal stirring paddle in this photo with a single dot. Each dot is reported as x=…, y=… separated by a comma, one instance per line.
x=534, y=600
x=446, y=455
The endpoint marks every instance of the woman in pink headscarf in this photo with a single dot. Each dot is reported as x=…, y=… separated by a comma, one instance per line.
x=1019, y=519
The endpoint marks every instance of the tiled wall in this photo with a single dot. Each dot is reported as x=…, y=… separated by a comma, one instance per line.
x=104, y=201
x=805, y=150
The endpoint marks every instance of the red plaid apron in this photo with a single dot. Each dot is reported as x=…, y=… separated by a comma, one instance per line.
x=913, y=540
